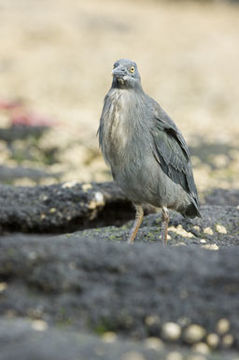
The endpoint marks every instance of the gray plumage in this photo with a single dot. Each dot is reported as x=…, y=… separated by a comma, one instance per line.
x=148, y=155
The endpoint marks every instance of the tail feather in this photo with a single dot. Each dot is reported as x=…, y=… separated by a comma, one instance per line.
x=192, y=210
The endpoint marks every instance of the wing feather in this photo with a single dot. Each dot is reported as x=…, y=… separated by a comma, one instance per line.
x=172, y=153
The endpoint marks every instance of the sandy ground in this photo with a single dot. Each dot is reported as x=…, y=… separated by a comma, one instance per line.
x=57, y=55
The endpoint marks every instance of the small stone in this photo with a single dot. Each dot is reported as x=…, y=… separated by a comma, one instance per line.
x=152, y=320
x=194, y=333
x=221, y=229
x=201, y=348
x=196, y=227
x=180, y=231
x=69, y=184
x=97, y=201
x=52, y=210
x=3, y=286
x=227, y=340
x=109, y=337
x=179, y=244
x=133, y=355
x=39, y=325
x=213, y=340
x=154, y=343
x=99, y=198
x=223, y=326
x=196, y=357
x=208, y=231
x=174, y=355
x=171, y=331
x=210, y=247
x=86, y=187
x=203, y=241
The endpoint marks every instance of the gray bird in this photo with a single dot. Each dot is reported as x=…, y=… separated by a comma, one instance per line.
x=148, y=155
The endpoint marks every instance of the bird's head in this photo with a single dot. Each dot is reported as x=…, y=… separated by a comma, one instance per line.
x=125, y=75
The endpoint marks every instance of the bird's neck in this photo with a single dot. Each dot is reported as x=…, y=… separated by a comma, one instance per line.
x=125, y=86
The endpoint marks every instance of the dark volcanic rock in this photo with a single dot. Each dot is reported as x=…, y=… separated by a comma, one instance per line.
x=62, y=207
x=71, y=206
x=20, y=132
x=19, y=340
x=223, y=197
x=9, y=174
x=93, y=281
x=91, y=284
x=218, y=226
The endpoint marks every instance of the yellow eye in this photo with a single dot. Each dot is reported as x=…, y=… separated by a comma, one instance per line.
x=132, y=69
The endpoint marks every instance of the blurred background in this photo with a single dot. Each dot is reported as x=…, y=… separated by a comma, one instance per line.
x=56, y=58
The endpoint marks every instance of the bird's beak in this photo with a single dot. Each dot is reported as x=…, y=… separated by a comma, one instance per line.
x=119, y=72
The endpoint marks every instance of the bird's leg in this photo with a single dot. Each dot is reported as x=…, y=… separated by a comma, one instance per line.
x=138, y=220
x=165, y=220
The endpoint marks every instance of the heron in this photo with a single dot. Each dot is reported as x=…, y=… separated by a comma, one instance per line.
x=147, y=153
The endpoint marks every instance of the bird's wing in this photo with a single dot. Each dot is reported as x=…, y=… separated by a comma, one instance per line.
x=171, y=151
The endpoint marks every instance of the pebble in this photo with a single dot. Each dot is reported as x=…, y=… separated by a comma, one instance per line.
x=201, y=348
x=194, y=333
x=133, y=355
x=3, y=286
x=227, y=340
x=180, y=231
x=152, y=320
x=180, y=244
x=174, y=355
x=210, y=246
x=221, y=229
x=196, y=227
x=97, y=201
x=154, y=343
x=109, y=337
x=86, y=187
x=208, y=231
x=171, y=331
x=223, y=326
x=39, y=325
x=196, y=357
x=213, y=340
x=69, y=184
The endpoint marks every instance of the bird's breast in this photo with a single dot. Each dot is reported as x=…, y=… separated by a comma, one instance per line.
x=118, y=127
